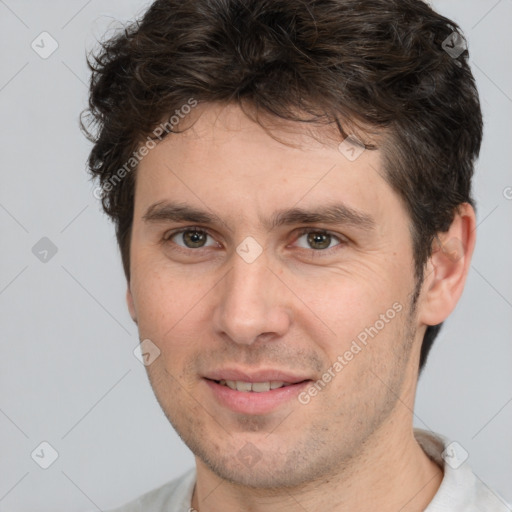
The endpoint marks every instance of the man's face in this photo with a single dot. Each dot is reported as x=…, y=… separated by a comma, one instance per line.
x=241, y=299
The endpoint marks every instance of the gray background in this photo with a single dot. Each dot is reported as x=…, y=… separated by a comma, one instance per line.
x=68, y=372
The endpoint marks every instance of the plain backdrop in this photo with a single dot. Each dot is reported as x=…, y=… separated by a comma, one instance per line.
x=68, y=374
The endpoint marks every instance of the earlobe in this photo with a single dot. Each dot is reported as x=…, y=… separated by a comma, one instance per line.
x=131, y=304
x=448, y=267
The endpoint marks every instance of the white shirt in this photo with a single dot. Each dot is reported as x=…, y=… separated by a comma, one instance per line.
x=460, y=491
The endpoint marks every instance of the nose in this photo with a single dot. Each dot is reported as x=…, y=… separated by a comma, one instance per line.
x=252, y=303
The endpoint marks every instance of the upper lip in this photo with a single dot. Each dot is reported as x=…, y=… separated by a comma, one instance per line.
x=263, y=375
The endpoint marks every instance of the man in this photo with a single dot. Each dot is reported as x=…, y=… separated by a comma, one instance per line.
x=291, y=188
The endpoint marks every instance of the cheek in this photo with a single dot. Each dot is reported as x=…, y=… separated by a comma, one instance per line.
x=170, y=308
x=345, y=302
x=160, y=301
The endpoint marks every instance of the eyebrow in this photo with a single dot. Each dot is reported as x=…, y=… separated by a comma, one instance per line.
x=337, y=213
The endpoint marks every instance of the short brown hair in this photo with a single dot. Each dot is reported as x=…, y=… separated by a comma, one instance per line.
x=376, y=63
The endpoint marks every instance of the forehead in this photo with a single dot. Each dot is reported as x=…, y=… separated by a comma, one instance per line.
x=225, y=163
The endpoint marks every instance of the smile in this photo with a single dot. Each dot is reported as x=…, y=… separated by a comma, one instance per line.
x=245, y=397
x=257, y=387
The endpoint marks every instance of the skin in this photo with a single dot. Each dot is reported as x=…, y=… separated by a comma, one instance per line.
x=292, y=308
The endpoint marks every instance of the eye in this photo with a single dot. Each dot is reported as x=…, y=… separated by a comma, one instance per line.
x=319, y=240
x=190, y=238
x=316, y=240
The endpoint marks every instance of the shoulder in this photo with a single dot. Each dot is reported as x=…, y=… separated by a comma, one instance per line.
x=174, y=495
x=461, y=489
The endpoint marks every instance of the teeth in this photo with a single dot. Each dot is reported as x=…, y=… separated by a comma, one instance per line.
x=229, y=383
x=260, y=386
x=257, y=387
x=243, y=386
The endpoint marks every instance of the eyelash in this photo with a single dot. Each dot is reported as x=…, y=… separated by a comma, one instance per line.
x=301, y=232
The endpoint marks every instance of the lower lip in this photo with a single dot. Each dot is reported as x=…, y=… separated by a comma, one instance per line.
x=251, y=402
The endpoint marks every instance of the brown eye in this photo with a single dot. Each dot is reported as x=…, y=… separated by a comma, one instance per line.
x=190, y=238
x=194, y=239
x=319, y=240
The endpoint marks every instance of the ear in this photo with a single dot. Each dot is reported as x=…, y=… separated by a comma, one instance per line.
x=448, y=267
x=131, y=304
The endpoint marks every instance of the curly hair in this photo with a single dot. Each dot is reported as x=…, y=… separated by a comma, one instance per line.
x=377, y=64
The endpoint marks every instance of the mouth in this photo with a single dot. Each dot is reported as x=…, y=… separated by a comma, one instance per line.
x=254, y=395
x=254, y=387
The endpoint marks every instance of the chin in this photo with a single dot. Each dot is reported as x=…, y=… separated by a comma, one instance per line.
x=264, y=467
x=263, y=475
